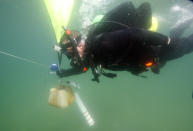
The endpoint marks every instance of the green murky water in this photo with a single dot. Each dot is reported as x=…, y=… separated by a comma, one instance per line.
x=127, y=103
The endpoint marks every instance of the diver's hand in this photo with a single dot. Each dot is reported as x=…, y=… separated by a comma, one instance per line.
x=96, y=78
x=60, y=73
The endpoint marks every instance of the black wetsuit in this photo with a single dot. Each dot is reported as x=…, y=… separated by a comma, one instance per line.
x=127, y=47
x=121, y=41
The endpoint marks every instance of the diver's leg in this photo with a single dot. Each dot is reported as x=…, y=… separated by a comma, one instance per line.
x=144, y=16
x=189, y=44
x=179, y=48
x=179, y=29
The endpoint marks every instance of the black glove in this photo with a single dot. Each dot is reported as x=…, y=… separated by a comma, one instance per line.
x=60, y=73
x=96, y=78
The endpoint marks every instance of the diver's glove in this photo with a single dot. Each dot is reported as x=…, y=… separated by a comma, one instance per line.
x=96, y=78
x=60, y=73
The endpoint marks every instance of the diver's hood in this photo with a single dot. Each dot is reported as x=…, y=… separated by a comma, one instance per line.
x=71, y=39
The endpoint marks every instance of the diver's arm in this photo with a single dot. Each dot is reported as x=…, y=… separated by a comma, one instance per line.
x=69, y=72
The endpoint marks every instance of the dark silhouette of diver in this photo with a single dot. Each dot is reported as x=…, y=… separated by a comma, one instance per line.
x=122, y=41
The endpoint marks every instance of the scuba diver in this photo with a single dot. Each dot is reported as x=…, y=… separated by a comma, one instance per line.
x=122, y=41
